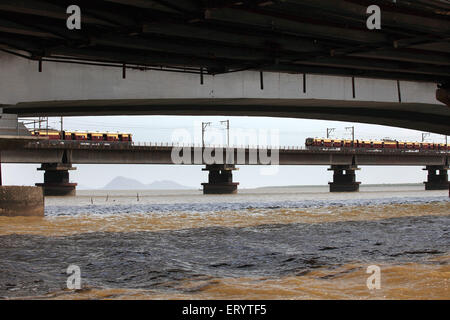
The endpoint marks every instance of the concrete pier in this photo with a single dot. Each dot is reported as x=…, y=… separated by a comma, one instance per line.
x=344, y=178
x=220, y=179
x=56, y=180
x=437, y=178
x=21, y=201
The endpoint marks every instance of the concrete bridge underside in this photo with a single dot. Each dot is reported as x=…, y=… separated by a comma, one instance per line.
x=418, y=116
x=83, y=90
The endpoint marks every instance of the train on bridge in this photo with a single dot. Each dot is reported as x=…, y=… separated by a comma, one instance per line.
x=110, y=137
x=315, y=143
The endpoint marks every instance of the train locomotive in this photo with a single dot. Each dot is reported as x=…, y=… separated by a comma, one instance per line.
x=315, y=143
x=84, y=136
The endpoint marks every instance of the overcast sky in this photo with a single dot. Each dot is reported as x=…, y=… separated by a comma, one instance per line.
x=292, y=132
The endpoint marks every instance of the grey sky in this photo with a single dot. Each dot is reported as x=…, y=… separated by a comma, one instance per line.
x=292, y=132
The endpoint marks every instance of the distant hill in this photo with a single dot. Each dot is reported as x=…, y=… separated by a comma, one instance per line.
x=122, y=183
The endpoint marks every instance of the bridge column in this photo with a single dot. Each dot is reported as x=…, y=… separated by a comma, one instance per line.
x=220, y=179
x=56, y=179
x=437, y=178
x=344, y=178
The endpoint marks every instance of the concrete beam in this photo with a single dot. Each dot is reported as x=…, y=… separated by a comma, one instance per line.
x=45, y=9
x=232, y=37
x=426, y=117
x=443, y=95
x=10, y=126
x=15, y=142
x=272, y=21
x=74, y=90
x=163, y=155
x=246, y=35
x=414, y=56
x=392, y=19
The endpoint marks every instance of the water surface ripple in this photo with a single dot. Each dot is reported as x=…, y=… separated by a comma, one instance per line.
x=159, y=260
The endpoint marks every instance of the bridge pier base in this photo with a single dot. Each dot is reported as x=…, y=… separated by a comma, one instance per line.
x=344, y=179
x=21, y=201
x=56, y=180
x=220, y=179
x=437, y=178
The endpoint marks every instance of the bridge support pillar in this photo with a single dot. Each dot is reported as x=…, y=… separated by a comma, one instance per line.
x=437, y=178
x=21, y=201
x=220, y=179
x=56, y=180
x=344, y=178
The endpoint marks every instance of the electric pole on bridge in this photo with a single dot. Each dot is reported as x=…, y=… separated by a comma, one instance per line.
x=227, y=122
x=204, y=126
x=329, y=131
x=353, y=132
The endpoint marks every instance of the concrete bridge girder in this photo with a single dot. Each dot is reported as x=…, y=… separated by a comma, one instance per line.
x=410, y=160
x=72, y=82
x=163, y=155
x=69, y=89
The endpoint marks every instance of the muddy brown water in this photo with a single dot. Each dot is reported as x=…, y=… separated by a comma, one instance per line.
x=280, y=243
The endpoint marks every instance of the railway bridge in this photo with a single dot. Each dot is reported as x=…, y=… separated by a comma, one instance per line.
x=58, y=157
